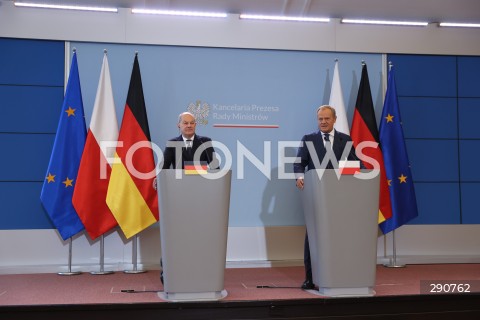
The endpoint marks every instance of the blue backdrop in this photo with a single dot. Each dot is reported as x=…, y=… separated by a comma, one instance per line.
x=263, y=87
x=438, y=96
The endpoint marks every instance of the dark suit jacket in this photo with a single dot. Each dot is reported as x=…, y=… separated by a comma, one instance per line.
x=339, y=142
x=169, y=159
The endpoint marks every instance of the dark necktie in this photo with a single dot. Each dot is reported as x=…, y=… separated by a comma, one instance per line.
x=328, y=144
x=326, y=137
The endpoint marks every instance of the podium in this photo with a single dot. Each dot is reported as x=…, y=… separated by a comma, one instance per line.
x=193, y=231
x=341, y=215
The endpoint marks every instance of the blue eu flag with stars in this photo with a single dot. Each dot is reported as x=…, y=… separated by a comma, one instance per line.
x=397, y=166
x=61, y=175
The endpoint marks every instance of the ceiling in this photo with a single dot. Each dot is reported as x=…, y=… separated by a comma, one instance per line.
x=407, y=10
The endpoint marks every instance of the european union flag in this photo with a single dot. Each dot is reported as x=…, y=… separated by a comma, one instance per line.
x=60, y=179
x=397, y=166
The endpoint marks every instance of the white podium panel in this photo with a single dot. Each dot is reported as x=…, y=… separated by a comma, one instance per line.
x=193, y=231
x=341, y=215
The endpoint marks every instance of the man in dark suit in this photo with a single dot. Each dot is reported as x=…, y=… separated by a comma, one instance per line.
x=325, y=138
x=184, y=147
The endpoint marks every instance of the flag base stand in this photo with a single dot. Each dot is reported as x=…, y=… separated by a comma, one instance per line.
x=134, y=258
x=134, y=271
x=393, y=261
x=69, y=273
x=394, y=265
x=101, y=272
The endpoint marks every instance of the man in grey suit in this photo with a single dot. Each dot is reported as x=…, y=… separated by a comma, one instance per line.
x=326, y=137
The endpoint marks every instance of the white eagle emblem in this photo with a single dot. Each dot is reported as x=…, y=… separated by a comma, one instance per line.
x=200, y=111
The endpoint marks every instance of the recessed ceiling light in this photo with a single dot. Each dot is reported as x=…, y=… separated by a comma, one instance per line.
x=283, y=18
x=386, y=22
x=64, y=7
x=182, y=13
x=461, y=25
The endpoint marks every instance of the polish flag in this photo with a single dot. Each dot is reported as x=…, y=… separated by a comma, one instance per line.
x=337, y=102
x=89, y=198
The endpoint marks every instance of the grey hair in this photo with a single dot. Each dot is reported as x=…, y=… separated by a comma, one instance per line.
x=326, y=106
x=185, y=113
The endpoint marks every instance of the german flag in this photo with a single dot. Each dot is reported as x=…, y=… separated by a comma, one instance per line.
x=191, y=167
x=132, y=195
x=364, y=128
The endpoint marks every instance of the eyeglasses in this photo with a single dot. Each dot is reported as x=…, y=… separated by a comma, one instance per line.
x=185, y=123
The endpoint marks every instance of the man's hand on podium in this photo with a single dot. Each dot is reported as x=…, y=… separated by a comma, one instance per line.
x=300, y=183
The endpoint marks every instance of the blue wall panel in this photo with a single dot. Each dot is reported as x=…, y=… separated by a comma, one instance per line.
x=441, y=128
x=468, y=117
x=469, y=77
x=433, y=160
x=21, y=207
x=31, y=95
x=425, y=76
x=470, y=203
x=32, y=62
x=26, y=156
x=469, y=160
x=438, y=203
x=429, y=117
x=30, y=109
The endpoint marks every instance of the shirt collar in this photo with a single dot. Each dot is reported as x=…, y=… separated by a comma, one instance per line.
x=331, y=133
x=185, y=139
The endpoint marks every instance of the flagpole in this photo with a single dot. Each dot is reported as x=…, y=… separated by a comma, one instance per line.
x=64, y=162
x=134, y=257
x=102, y=271
x=393, y=262
x=69, y=272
